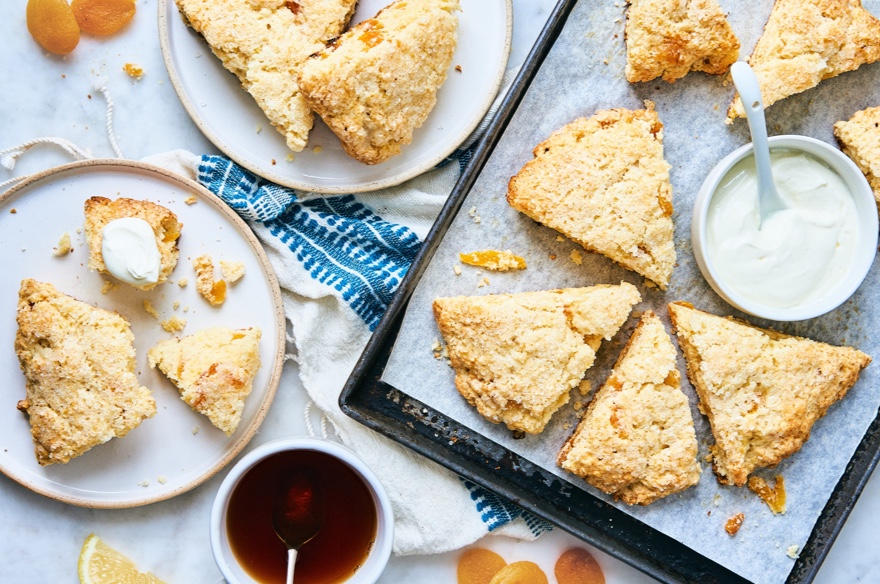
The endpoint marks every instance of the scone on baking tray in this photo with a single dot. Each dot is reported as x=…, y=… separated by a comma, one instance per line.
x=807, y=41
x=78, y=362
x=214, y=370
x=671, y=38
x=636, y=440
x=860, y=139
x=761, y=390
x=377, y=83
x=603, y=182
x=264, y=42
x=100, y=211
x=517, y=356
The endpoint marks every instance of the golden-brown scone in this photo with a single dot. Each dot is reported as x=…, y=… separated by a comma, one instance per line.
x=860, y=139
x=214, y=370
x=761, y=390
x=264, y=42
x=806, y=41
x=378, y=82
x=78, y=363
x=603, y=182
x=517, y=356
x=674, y=37
x=100, y=211
x=636, y=441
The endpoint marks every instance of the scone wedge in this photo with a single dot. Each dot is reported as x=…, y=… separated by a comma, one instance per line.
x=377, y=83
x=636, y=440
x=517, y=356
x=214, y=370
x=761, y=390
x=860, y=138
x=808, y=41
x=671, y=38
x=78, y=363
x=603, y=182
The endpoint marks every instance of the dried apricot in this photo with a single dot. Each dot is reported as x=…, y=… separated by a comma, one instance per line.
x=478, y=566
x=492, y=259
x=103, y=16
x=52, y=24
x=520, y=573
x=578, y=566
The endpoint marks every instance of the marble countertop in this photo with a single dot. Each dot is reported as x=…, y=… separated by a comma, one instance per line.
x=40, y=539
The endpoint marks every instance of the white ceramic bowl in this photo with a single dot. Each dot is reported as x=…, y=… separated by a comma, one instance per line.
x=380, y=552
x=866, y=248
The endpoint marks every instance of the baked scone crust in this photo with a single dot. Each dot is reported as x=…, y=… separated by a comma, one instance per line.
x=807, y=41
x=214, y=370
x=99, y=211
x=761, y=390
x=377, y=83
x=671, y=38
x=517, y=356
x=860, y=139
x=603, y=182
x=636, y=440
x=79, y=364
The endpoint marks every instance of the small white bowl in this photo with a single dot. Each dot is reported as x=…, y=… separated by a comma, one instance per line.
x=866, y=249
x=380, y=552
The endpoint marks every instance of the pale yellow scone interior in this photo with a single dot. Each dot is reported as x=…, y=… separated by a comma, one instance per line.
x=79, y=368
x=264, y=42
x=806, y=41
x=761, y=390
x=636, y=441
x=378, y=82
x=860, y=139
x=214, y=370
x=517, y=356
x=100, y=211
x=603, y=182
x=671, y=38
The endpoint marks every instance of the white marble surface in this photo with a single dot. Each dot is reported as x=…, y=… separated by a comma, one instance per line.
x=43, y=95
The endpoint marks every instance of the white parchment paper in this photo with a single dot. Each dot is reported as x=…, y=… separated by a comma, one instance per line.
x=585, y=73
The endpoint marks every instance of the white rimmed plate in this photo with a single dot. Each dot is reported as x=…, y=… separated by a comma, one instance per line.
x=164, y=456
x=230, y=118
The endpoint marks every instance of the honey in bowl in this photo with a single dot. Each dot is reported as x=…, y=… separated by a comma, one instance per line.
x=343, y=542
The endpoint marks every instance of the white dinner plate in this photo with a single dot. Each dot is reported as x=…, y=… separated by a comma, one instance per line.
x=177, y=449
x=231, y=119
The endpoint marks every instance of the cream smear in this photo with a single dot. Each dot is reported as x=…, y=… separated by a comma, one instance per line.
x=130, y=251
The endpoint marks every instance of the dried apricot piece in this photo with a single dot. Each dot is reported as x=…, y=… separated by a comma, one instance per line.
x=520, y=573
x=578, y=566
x=52, y=24
x=103, y=17
x=492, y=259
x=478, y=566
x=775, y=497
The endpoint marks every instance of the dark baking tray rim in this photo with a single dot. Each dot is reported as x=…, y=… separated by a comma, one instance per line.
x=408, y=421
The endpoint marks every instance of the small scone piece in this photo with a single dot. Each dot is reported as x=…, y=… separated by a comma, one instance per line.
x=100, y=211
x=761, y=390
x=517, y=356
x=636, y=441
x=860, y=139
x=264, y=43
x=603, y=182
x=674, y=37
x=377, y=83
x=78, y=363
x=214, y=370
x=807, y=41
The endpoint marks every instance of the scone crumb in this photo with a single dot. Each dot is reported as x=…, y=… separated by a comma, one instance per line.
x=148, y=306
x=472, y=212
x=232, y=270
x=195, y=430
x=486, y=281
x=134, y=71
x=186, y=308
x=259, y=128
x=560, y=238
x=174, y=324
x=576, y=257
x=213, y=292
x=477, y=219
x=13, y=211
x=584, y=386
x=191, y=200
x=144, y=484
x=649, y=284
x=734, y=523
x=108, y=286
x=176, y=304
x=480, y=284
x=290, y=157
x=458, y=68
x=63, y=247
x=457, y=269
x=162, y=479
x=792, y=552
x=183, y=282
x=716, y=500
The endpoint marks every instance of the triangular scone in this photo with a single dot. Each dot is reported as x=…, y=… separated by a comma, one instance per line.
x=761, y=390
x=264, y=43
x=377, y=83
x=214, y=370
x=517, y=356
x=636, y=441
x=860, y=139
x=78, y=362
x=603, y=182
x=806, y=41
x=674, y=37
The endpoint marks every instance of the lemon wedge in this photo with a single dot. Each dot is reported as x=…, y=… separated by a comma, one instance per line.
x=101, y=564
